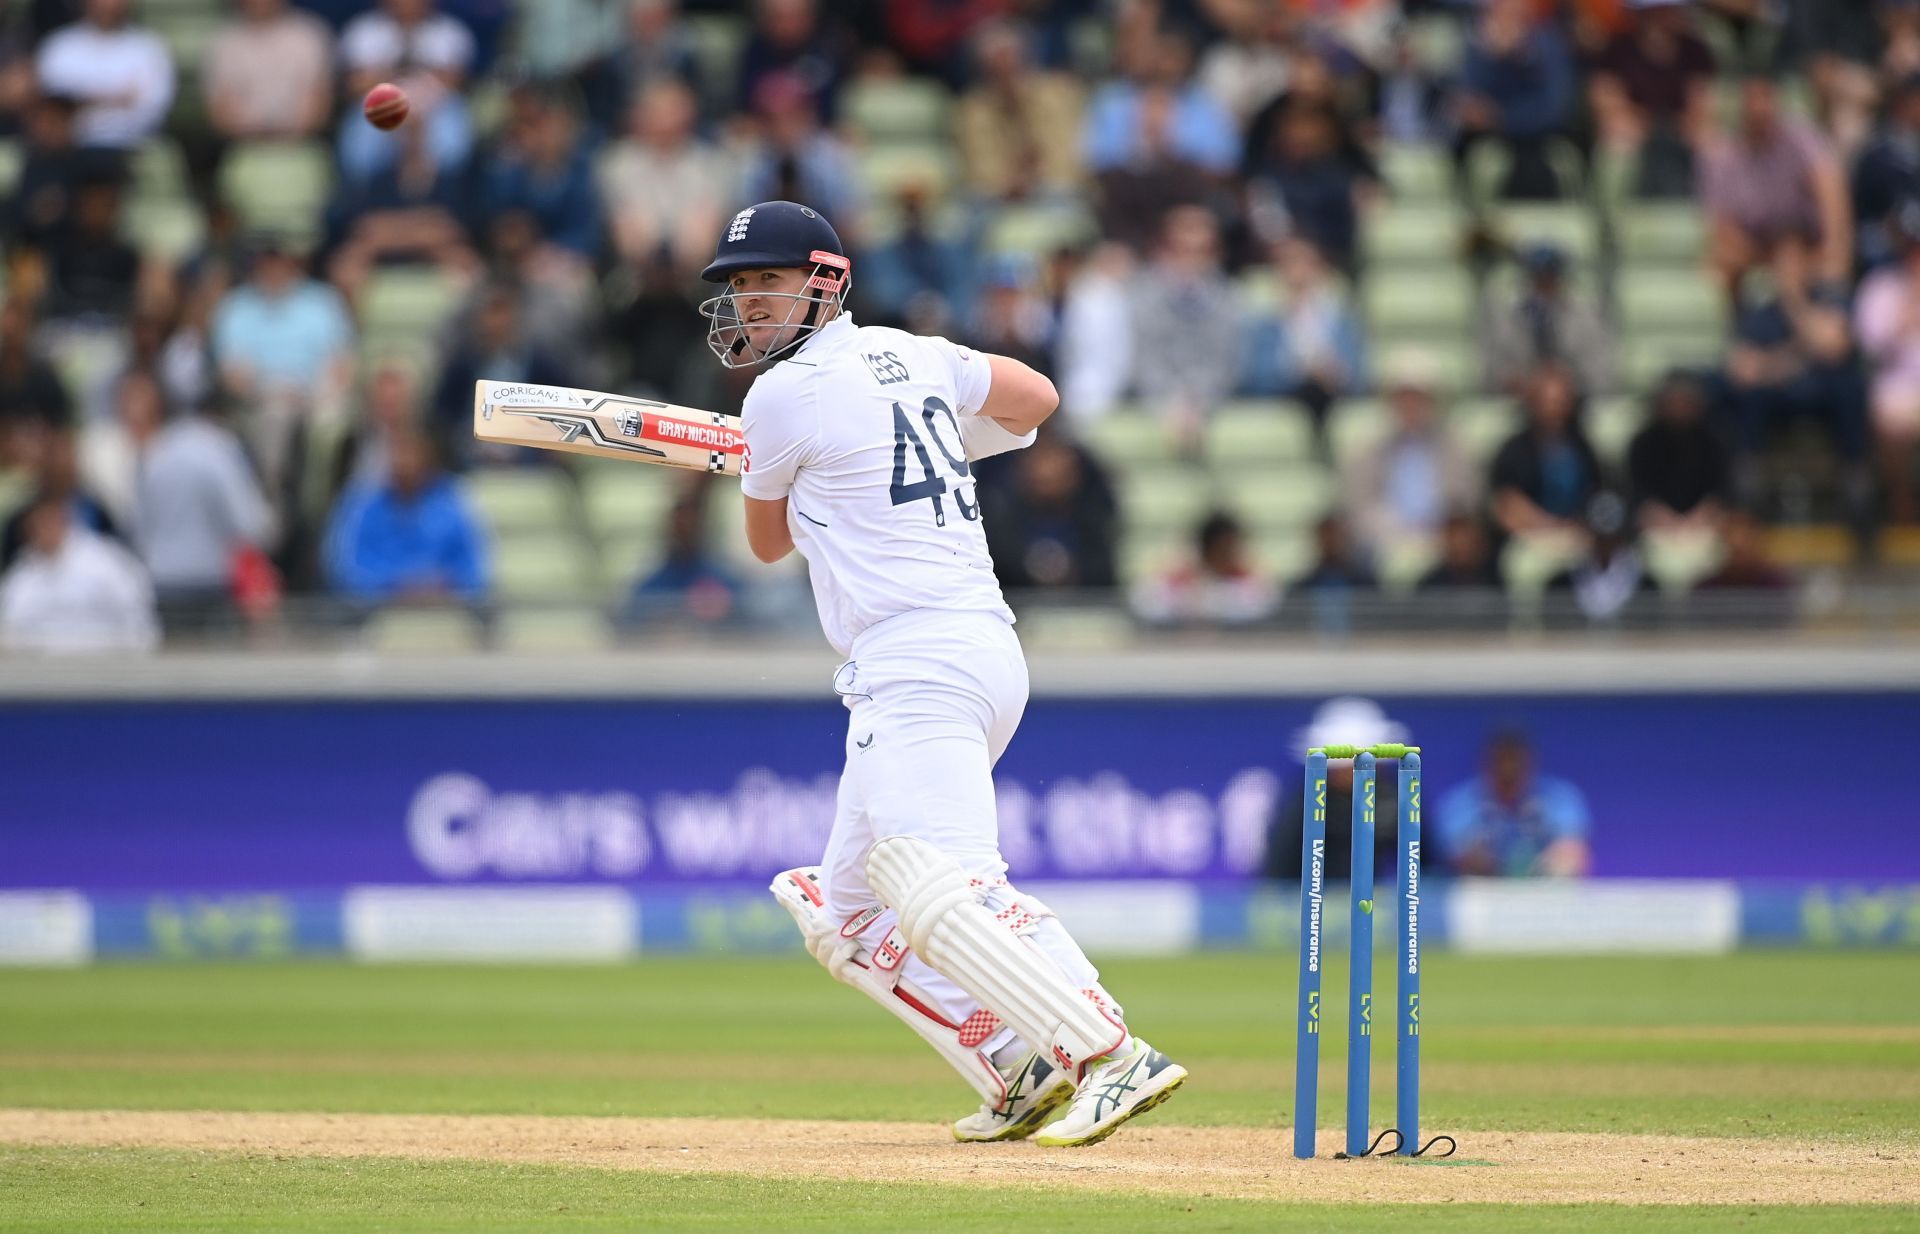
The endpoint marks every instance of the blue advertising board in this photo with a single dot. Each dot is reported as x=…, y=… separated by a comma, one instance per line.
x=231, y=797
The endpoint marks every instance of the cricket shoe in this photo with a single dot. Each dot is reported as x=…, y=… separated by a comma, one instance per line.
x=1035, y=1089
x=1113, y=1091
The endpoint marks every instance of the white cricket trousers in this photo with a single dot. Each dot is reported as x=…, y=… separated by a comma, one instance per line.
x=933, y=698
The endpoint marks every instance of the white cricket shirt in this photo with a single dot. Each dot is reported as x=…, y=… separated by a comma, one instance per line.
x=871, y=434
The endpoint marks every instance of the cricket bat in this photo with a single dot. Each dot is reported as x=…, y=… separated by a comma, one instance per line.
x=607, y=426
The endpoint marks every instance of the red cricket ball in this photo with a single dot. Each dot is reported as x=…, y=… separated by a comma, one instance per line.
x=386, y=106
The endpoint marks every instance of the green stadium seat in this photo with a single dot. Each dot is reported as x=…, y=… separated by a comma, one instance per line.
x=1611, y=424
x=1456, y=366
x=1285, y=555
x=1146, y=555
x=1097, y=627
x=16, y=484
x=1678, y=560
x=1036, y=231
x=1659, y=298
x=522, y=498
x=82, y=357
x=727, y=536
x=1568, y=226
x=1645, y=358
x=1260, y=291
x=552, y=567
x=1411, y=233
x=1254, y=434
x=188, y=30
x=278, y=186
x=718, y=40
x=888, y=170
x=540, y=630
x=1482, y=425
x=1529, y=562
x=1439, y=41
x=172, y=229
x=1417, y=173
x=400, y=302
x=896, y=109
x=626, y=504
x=1128, y=438
x=422, y=630
x=1357, y=424
x=1665, y=232
x=1435, y=304
x=1402, y=562
x=12, y=157
x=1280, y=499
x=1169, y=499
x=487, y=103
x=158, y=169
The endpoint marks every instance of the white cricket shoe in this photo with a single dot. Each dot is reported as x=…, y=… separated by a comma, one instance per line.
x=1035, y=1089
x=1129, y=1083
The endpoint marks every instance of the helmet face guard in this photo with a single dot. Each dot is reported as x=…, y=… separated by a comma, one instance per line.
x=729, y=336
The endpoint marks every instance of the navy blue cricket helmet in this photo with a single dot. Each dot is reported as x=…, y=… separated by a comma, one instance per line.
x=774, y=235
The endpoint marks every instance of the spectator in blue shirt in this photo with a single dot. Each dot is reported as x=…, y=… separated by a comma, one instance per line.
x=281, y=332
x=1512, y=822
x=1516, y=86
x=1202, y=131
x=689, y=584
x=544, y=169
x=413, y=538
x=922, y=262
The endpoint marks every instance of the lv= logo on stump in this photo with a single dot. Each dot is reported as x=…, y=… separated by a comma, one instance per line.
x=1313, y=871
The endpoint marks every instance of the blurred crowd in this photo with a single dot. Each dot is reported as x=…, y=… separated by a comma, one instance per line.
x=241, y=325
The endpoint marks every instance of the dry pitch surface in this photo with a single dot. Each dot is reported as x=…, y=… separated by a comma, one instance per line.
x=1215, y=1162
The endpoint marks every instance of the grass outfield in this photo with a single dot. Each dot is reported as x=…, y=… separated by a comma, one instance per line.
x=1821, y=1049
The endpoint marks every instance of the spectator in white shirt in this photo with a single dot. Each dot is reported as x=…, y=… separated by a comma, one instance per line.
x=110, y=448
x=662, y=189
x=74, y=591
x=425, y=53
x=1093, y=358
x=121, y=74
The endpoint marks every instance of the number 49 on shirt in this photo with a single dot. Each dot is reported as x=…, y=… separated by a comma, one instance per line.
x=931, y=485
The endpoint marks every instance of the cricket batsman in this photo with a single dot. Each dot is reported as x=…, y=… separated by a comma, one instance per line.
x=860, y=443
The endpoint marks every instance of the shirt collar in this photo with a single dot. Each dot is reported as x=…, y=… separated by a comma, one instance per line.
x=833, y=333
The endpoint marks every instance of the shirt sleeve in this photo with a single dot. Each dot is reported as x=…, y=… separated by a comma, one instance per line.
x=984, y=438
x=1458, y=819
x=365, y=43
x=60, y=69
x=967, y=370
x=1877, y=315
x=781, y=422
x=154, y=90
x=1565, y=810
x=972, y=380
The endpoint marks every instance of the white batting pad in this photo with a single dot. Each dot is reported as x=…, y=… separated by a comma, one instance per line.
x=961, y=938
x=873, y=968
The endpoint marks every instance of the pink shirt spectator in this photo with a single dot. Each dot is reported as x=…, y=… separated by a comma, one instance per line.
x=270, y=77
x=1886, y=318
x=1767, y=190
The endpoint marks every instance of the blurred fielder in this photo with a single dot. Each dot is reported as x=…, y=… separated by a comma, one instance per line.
x=859, y=446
